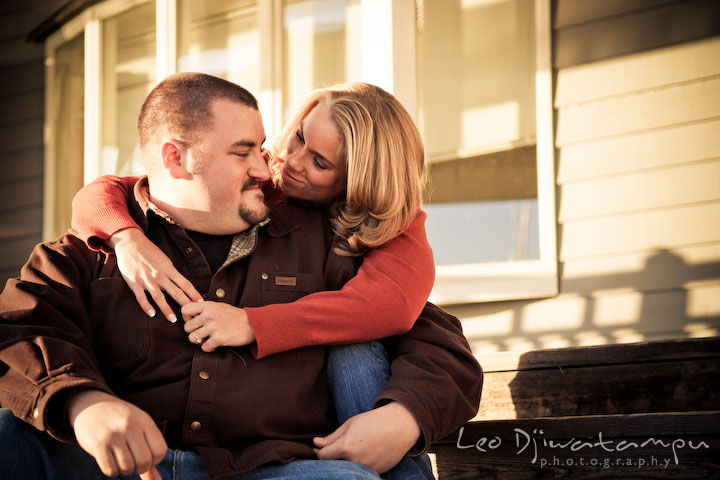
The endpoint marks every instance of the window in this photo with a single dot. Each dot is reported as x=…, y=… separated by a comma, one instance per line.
x=128, y=75
x=65, y=104
x=475, y=73
x=478, y=97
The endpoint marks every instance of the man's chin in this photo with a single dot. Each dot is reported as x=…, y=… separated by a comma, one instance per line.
x=255, y=214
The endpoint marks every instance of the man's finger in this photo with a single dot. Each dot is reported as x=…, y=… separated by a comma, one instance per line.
x=123, y=459
x=142, y=457
x=106, y=462
x=192, y=309
x=331, y=452
x=151, y=474
x=157, y=444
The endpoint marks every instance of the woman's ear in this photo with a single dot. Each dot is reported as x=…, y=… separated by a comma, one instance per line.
x=173, y=156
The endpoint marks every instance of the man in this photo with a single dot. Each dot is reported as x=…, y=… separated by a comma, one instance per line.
x=79, y=358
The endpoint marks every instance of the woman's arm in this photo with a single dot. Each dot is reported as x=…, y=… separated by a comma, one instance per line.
x=100, y=218
x=99, y=210
x=383, y=299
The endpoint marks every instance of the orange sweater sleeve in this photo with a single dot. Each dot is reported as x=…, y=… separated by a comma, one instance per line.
x=385, y=298
x=100, y=209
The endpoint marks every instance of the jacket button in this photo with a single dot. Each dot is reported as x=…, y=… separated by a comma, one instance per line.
x=204, y=375
x=220, y=293
x=195, y=426
x=264, y=276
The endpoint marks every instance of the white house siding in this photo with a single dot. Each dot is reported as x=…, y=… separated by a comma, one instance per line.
x=22, y=84
x=638, y=201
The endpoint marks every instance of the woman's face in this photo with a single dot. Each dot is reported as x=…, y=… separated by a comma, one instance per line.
x=314, y=169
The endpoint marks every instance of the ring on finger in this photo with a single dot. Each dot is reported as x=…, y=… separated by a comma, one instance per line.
x=197, y=339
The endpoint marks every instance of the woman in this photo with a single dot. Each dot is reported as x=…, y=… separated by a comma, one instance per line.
x=354, y=149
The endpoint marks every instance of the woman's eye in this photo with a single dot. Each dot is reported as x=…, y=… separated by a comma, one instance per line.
x=299, y=135
x=318, y=164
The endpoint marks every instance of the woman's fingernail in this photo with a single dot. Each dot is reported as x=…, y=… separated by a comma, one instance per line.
x=151, y=313
x=172, y=318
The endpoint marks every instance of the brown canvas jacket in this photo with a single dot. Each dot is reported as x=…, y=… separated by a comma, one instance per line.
x=70, y=322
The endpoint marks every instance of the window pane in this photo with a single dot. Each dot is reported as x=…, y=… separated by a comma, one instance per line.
x=220, y=37
x=67, y=126
x=476, y=92
x=128, y=75
x=321, y=47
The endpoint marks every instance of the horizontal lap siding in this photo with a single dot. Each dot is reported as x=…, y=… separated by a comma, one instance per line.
x=638, y=191
x=22, y=93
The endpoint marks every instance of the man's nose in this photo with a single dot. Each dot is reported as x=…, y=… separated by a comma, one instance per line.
x=259, y=169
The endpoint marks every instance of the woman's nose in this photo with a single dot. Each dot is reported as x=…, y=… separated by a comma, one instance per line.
x=294, y=160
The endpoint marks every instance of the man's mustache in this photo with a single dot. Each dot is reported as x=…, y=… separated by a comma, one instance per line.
x=252, y=183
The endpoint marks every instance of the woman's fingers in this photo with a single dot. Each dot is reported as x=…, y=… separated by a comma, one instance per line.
x=159, y=297
x=185, y=286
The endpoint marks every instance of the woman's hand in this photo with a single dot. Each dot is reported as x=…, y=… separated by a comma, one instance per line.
x=216, y=324
x=145, y=267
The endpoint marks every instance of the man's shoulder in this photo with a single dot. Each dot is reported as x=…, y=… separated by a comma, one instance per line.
x=65, y=250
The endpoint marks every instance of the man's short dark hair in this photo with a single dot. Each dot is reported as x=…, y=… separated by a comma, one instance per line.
x=182, y=103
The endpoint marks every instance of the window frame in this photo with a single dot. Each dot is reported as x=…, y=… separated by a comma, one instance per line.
x=518, y=279
x=383, y=23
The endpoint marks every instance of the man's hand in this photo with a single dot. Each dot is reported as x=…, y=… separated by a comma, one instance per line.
x=122, y=438
x=216, y=324
x=378, y=438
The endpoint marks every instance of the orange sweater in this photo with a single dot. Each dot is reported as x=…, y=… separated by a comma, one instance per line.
x=383, y=299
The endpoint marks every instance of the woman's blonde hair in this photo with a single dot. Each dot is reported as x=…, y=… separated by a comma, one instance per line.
x=385, y=161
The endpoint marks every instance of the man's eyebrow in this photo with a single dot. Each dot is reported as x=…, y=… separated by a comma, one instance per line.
x=246, y=143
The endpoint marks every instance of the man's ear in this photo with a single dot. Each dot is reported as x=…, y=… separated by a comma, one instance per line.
x=174, y=161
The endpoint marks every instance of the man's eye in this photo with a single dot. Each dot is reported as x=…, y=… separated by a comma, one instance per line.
x=241, y=155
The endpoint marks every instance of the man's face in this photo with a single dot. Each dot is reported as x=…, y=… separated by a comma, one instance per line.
x=228, y=168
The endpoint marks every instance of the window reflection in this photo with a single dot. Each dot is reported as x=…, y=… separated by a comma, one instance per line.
x=220, y=37
x=321, y=47
x=128, y=75
x=476, y=92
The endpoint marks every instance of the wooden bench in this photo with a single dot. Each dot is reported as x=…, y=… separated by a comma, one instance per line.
x=643, y=410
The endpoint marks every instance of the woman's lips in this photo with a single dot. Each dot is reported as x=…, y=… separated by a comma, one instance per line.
x=287, y=175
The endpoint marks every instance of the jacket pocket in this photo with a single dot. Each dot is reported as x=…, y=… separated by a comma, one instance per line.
x=120, y=328
x=281, y=287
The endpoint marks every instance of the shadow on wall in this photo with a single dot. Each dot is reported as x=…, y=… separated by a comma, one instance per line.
x=652, y=302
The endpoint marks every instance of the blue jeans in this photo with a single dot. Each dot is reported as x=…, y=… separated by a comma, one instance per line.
x=357, y=374
x=29, y=454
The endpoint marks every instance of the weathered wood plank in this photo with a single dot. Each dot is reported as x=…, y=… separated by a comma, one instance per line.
x=687, y=225
x=22, y=77
x=22, y=193
x=21, y=223
x=660, y=445
x=637, y=72
x=573, y=12
x=23, y=164
x=14, y=253
x=663, y=147
x=668, y=106
x=662, y=188
x=21, y=136
x=669, y=24
x=655, y=269
x=29, y=105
